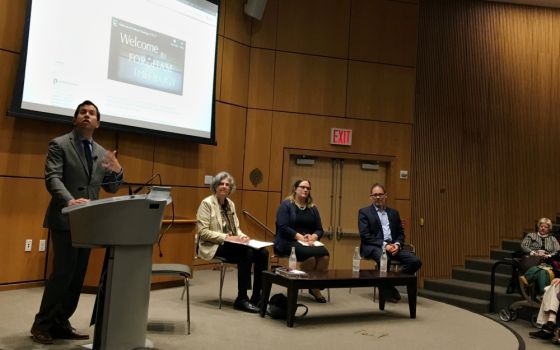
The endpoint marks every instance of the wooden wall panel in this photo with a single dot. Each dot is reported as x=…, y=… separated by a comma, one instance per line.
x=221, y=18
x=23, y=143
x=136, y=155
x=487, y=119
x=185, y=163
x=22, y=208
x=369, y=137
x=273, y=202
x=405, y=209
x=380, y=92
x=255, y=202
x=257, y=147
x=301, y=28
x=8, y=71
x=263, y=34
x=12, y=19
x=235, y=73
x=389, y=29
x=219, y=65
x=261, y=79
x=95, y=265
x=23, y=148
x=237, y=25
x=310, y=84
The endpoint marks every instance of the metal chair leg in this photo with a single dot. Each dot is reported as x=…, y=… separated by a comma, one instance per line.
x=188, y=306
x=222, y=276
x=184, y=288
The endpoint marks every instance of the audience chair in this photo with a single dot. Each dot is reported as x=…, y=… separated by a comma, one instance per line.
x=183, y=271
x=222, y=262
x=395, y=264
x=223, y=269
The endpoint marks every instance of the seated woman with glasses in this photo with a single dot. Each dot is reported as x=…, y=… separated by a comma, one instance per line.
x=543, y=247
x=219, y=235
x=298, y=225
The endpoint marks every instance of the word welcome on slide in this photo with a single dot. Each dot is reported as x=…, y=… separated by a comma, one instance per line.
x=146, y=58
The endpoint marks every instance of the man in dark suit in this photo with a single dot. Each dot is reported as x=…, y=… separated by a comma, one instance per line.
x=75, y=169
x=381, y=228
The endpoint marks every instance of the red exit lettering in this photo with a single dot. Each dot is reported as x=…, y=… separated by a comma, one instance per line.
x=341, y=137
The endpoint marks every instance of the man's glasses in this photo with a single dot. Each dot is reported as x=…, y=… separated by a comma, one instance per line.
x=377, y=195
x=305, y=188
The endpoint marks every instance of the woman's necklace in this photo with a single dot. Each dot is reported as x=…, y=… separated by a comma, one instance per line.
x=300, y=207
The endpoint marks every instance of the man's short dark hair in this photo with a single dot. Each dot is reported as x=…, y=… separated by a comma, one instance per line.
x=87, y=103
x=377, y=184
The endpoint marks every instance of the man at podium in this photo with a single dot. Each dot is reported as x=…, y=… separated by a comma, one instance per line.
x=75, y=169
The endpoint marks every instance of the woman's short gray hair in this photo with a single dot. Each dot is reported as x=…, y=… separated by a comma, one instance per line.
x=219, y=177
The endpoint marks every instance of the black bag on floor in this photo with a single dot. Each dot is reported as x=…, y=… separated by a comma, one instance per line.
x=278, y=307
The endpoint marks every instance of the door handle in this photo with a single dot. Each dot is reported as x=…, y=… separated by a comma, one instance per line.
x=339, y=233
x=329, y=233
x=350, y=235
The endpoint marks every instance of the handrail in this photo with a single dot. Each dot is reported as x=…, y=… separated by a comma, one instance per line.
x=258, y=222
x=178, y=221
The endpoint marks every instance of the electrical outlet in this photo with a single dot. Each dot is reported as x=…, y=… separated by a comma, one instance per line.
x=28, y=245
x=42, y=245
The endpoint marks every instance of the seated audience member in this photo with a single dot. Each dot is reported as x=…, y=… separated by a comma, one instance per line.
x=540, y=244
x=381, y=228
x=219, y=235
x=548, y=311
x=298, y=221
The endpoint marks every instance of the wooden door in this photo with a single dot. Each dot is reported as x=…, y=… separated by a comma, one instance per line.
x=355, y=180
x=339, y=188
x=319, y=171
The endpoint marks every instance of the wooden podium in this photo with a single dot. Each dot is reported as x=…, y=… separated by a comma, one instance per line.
x=127, y=226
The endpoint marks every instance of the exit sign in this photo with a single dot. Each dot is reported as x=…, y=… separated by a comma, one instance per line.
x=341, y=137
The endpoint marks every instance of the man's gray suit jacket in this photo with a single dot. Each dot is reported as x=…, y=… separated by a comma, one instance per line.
x=67, y=176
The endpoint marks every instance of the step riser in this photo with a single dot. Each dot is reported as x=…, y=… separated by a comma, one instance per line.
x=459, y=303
x=473, y=276
x=457, y=290
x=472, y=297
x=501, y=254
x=511, y=245
x=502, y=301
x=486, y=266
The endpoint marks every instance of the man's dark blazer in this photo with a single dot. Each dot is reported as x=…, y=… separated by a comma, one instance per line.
x=67, y=177
x=371, y=232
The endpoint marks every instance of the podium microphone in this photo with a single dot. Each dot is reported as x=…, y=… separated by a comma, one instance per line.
x=141, y=187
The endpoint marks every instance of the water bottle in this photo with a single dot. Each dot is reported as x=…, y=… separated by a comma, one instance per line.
x=383, y=262
x=292, y=262
x=356, y=260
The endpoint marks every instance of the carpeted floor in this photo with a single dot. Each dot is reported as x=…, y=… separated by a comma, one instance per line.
x=348, y=321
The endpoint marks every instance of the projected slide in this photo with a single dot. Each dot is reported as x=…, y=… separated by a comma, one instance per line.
x=148, y=64
x=146, y=58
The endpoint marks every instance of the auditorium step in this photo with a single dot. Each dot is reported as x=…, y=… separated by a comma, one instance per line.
x=469, y=287
x=480, y=276
x=472, y=304
x=453, y=289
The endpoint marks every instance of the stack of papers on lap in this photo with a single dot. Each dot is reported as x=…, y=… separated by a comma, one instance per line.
x=291, y=273
x=315, y=244
x=253, y=243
